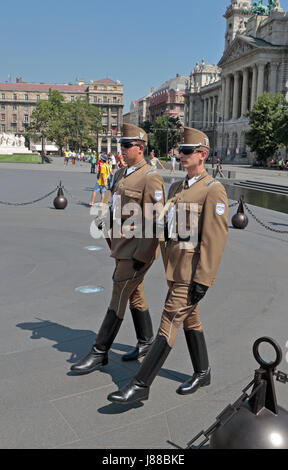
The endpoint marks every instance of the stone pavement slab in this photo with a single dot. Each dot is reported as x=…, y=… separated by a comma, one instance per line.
x=46, y=326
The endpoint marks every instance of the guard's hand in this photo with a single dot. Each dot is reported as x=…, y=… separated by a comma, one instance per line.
x=196, y=292
x=137, y=265
x=99, y=221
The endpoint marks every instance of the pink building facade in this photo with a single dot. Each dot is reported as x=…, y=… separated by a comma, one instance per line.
x=169, y=99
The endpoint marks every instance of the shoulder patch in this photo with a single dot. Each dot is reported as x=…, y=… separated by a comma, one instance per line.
x=220, y=208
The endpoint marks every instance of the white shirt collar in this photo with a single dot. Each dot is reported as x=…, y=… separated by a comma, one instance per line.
x=130, y=170
x=193, y=180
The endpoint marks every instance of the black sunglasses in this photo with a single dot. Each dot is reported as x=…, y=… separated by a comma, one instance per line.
x=128, y=145
x=188, y=150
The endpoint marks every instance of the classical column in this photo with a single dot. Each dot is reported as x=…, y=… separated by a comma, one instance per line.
x=244, y=101
x=236, y=95
x=227, y=97
x=254, y=86
x=222, y=111
x=109, y=138
x=273, y=77
x=99, y=144
x=260, y=81
x=204, y=114
x=209, y=113
x=119, y=123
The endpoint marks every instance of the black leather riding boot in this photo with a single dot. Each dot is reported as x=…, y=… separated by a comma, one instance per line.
x=98, y=356
x=138, y=388
x=144, y=333
x=199, y=357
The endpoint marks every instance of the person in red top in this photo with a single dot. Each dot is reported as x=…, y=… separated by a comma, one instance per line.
x=99, y=166
x=118, y=156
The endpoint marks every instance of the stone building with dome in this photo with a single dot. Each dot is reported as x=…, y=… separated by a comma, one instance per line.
x=254, y=61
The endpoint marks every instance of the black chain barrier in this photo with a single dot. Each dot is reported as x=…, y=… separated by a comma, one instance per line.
x=30, y=202
x=74, y=197
x=262, y=223
x=233, y=204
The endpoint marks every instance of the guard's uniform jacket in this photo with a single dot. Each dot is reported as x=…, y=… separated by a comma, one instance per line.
x=199, y=261
x=138, y=185
x=143, y=185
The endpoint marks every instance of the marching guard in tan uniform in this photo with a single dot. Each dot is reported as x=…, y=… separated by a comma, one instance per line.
x=192, y=262
x=132, y=187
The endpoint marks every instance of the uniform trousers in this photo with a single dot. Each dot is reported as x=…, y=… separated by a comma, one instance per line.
x=128, y=284
x=176, y=311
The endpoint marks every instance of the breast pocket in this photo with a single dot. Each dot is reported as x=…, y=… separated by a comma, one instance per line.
x=131, y=203
x=132, y=195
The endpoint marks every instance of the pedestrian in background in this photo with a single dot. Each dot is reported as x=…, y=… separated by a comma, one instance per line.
x=102, y=180
x=153, y=161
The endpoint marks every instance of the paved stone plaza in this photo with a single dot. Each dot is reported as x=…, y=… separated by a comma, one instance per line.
x=46, y=325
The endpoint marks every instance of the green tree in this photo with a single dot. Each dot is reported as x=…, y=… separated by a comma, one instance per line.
x=83, y=121
x=282, y=129
x=263, y=137
x=149, y=129
x=166, y=133
x=42, y=117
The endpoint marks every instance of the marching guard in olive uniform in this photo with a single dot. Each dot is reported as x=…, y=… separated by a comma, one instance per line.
x=136, y=184
x=191, y=267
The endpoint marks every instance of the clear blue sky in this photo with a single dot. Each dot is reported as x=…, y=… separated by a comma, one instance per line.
x=142, y=44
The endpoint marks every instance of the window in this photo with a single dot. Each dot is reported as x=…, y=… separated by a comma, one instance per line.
x=3, y=96
x=114, y=99
x=37, y=97
x=95, y=99
x=114, y=110
x=2, y=117
x=14, y=117
x=14, y=127
x=25, y=117
x=3, y=128
x=72, y=98
x=2, y=106
x=104, y=120
x=14, y=107
x=105, y=99
x=26, y=97
x=14, y=96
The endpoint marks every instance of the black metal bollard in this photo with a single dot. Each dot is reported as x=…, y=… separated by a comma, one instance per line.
x=240, y=219
x=60, y=201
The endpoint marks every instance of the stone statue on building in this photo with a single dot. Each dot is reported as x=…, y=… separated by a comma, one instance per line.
x=259, y=9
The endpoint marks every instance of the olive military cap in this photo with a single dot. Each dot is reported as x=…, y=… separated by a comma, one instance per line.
x=194, y=138
x=131, y=132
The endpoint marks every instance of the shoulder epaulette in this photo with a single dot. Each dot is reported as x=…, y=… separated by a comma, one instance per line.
x=213, y=182
x=151, y=171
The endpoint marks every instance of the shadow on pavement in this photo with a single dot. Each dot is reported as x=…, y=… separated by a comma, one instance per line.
x=78, y=343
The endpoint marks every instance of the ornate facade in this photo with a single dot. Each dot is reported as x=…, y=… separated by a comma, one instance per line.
x=255, y=60
x=18, y=100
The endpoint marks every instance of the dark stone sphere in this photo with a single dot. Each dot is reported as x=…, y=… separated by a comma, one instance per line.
x=249, y=431
x=60, y=201
x=240, y=220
